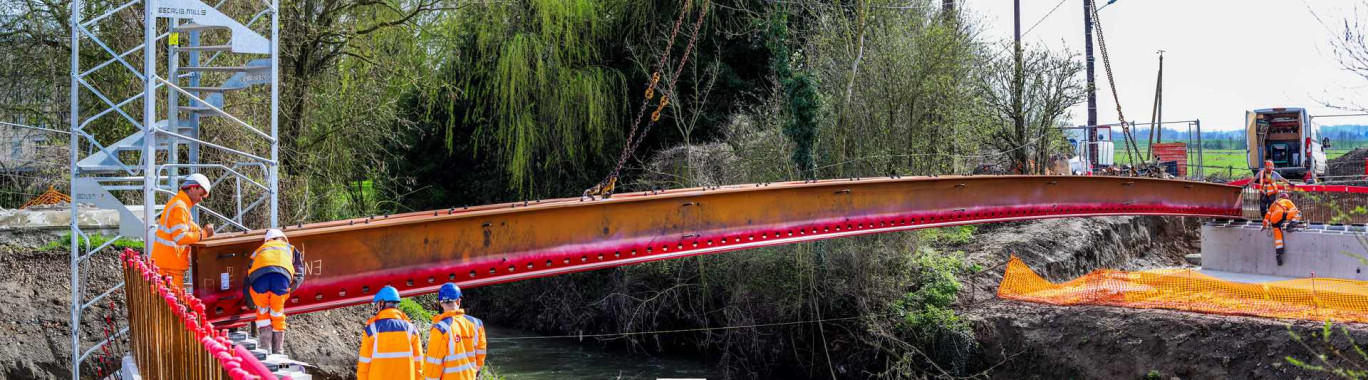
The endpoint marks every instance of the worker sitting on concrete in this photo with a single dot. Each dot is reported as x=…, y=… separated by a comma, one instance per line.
x=275, y=272
x=1281, y=215
x=391, y=347
x=176, y=231
x=456, y=344
x=1268, y=181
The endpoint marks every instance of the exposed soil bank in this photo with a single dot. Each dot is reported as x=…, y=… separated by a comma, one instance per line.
x=1028, y=341
x=1024, y=340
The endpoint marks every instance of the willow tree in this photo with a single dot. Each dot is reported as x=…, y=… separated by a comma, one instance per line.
x=542, y=98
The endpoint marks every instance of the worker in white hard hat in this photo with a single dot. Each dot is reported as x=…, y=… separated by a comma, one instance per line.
x=277, y=269
x=177, y=231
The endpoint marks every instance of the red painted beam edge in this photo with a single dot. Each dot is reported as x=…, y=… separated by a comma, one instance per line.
x=416, y=281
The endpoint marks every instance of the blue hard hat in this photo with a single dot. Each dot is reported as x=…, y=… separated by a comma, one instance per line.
x=449, y=292
x=387, y=294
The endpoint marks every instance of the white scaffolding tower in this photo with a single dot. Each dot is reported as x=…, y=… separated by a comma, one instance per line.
x=199, y=44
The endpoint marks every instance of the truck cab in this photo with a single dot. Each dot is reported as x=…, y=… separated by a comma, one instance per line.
x=1287, y=137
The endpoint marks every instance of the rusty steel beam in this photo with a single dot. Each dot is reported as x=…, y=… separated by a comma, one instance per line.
x=347, y=261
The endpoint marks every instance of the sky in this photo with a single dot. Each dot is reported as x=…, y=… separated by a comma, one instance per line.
x=1222, y=57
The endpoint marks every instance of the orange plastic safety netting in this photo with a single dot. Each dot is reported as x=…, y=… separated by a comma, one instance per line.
x=1190, y=290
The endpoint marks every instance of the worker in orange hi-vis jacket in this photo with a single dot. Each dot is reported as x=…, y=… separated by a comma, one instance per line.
x=1281, y=214
x=176, y=231
x=391, y=348
x=456, y=344
x=1269, y=183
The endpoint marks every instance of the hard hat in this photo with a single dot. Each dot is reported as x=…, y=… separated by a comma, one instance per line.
x=387, y=294
x=274, y=233
x=1284, y=195
x=449, y=292
x=197, y=179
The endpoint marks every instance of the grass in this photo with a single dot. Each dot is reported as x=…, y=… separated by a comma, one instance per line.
x=954, y=235
x=1227, y=160
x=96, y=240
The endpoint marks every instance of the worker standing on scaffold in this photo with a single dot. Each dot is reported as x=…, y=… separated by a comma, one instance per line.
x=1267, y=182
x=276, y=271
x=456, y=344
x=1280, y=215
x=391, y=347
x=176, y=231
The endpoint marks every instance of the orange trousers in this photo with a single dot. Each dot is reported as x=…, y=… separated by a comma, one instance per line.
x=270, y=309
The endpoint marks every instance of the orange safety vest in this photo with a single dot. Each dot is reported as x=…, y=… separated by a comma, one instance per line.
x=1281, y=210
x=175, y=233
x=1267, y=184
x=274, y=253
x=455, y=347
x=390, y=349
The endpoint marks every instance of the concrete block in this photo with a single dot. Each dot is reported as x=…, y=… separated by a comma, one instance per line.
x=1243, y=248
x=130, y=369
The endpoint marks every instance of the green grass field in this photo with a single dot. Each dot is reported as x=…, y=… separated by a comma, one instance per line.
x=1230, y=160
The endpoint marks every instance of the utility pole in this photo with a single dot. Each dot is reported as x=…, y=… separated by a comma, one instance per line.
x=1092, y=88
x=1157, y=117
x=1018, y=116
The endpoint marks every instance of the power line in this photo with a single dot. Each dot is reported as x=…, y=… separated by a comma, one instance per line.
x=1028, y=30
x=1042, y=19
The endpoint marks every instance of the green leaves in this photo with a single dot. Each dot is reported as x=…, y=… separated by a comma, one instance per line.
x=536, y=68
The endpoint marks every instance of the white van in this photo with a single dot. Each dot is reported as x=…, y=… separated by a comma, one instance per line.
x=1288, y=138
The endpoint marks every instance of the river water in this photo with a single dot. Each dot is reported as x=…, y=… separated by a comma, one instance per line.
x=569, y=358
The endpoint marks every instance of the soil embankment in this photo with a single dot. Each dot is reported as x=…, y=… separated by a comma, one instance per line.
x=35, y=340
x=1024, y=341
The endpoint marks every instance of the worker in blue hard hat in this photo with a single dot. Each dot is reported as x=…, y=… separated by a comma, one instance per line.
x=456, y=344
x=391, y=347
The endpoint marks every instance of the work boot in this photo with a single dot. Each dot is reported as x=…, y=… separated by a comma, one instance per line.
x=1280, y=254
x=278, y=342
x=264, y=337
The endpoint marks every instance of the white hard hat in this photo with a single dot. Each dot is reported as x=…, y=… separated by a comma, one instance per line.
x=197, y=179
x=274, y=233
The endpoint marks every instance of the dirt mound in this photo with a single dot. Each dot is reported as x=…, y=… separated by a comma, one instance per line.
x=1349, y=164
x=35, y=342
x=1028, y=341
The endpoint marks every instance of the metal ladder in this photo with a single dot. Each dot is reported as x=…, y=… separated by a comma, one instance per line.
x=167, y=141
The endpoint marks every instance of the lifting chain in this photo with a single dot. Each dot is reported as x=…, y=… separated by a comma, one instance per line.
x=605, y=187
x=1106, y=64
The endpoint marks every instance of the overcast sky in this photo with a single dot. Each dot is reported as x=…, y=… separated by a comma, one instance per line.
x=1222, y=57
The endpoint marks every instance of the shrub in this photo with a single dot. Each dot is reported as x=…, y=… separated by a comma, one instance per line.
x=96, y=240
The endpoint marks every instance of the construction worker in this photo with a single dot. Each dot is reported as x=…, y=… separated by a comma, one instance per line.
x=1280, y=215
x=1267, y=181
x=456, y=344
x=176, y=231
x=391, y=347
x=274, y=273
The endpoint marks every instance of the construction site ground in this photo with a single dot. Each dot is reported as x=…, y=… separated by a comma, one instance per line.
x=1016, y=340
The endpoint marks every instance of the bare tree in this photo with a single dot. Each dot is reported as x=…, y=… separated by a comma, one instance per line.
x=1050, y=87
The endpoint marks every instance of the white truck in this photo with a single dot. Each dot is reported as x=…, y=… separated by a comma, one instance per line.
x=1289, y=138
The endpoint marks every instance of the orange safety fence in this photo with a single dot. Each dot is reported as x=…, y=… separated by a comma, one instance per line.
x=1190, y=290
x=49, y=197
